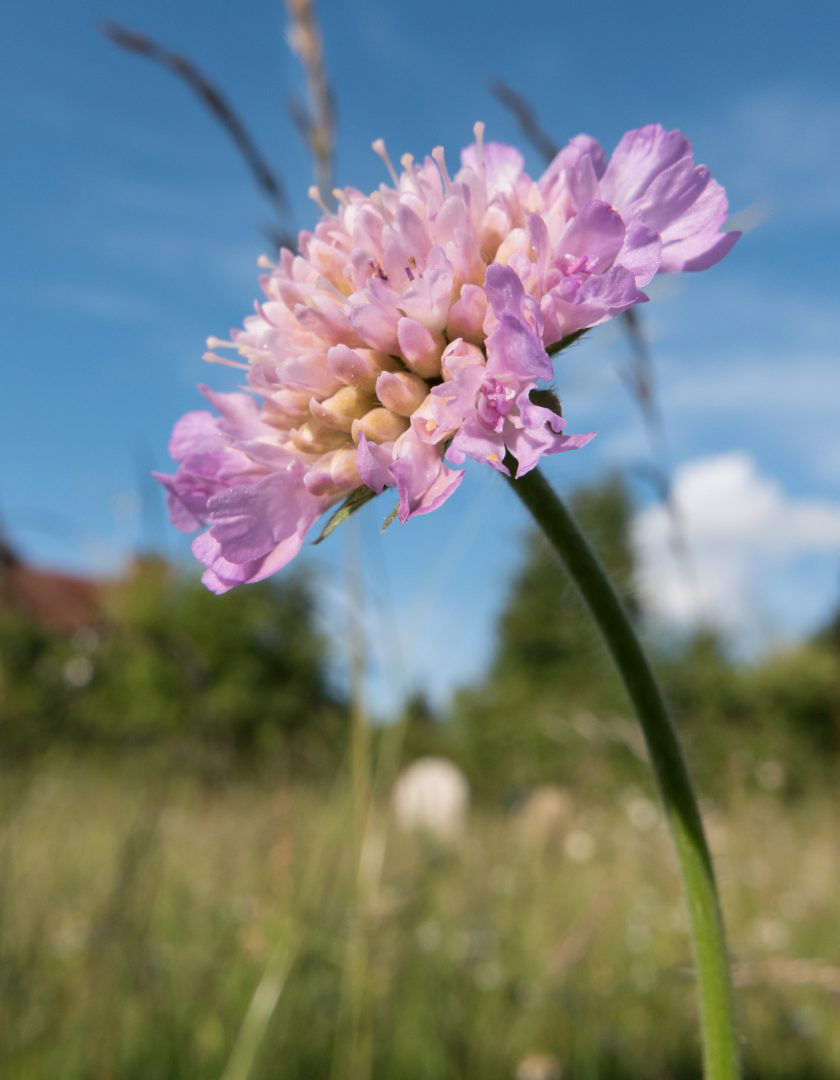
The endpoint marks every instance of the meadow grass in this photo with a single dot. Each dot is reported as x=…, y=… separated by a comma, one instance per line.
x=145, y=901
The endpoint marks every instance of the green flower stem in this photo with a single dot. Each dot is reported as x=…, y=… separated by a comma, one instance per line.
x=720, y=1041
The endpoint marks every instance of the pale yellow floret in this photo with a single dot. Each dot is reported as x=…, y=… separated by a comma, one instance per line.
x=379, y=426
x=343, y=407
x=316, y=438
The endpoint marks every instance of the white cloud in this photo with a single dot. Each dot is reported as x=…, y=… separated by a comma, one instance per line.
x=744, y=533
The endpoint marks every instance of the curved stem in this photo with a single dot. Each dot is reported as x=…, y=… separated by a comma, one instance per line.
x=720, y=1044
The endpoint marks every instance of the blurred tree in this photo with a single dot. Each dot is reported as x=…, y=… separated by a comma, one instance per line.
x=32, y=690
x=785, y=703
x=551, y=692
x=550, y=664
x=425, y=730
x=702, y=683
x=798, y=690
x=167, y=658
x=545, y=631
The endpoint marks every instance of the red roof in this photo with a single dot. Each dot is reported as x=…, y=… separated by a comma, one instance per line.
x=54, y=600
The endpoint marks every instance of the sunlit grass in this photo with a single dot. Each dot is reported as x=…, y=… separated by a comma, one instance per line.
x=144, y=902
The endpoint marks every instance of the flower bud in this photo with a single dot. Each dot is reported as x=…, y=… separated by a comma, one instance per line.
x=376, y=325
x=330, y=262
x=340, y=410
x=466, y=316
x=420, y=347
x=314, y=437
x=358, y=367
x=457, y=355
x=515, y=243
x=379, y=426
x=343, y=468
x=333, y=473
x=495, y=227
x=291, y=404
x=400, y=391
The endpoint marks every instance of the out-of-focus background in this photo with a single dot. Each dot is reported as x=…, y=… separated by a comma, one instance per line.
x=388, y=815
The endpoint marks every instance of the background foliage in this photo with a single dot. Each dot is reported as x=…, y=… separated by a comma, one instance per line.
x=176, y=838
x=166, y=659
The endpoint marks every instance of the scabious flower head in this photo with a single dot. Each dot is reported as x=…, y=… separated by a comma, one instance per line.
x=414, y=329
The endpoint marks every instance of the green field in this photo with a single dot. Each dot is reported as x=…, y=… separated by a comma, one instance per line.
x=164, y=918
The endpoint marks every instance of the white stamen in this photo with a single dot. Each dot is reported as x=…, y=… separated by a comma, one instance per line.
x=248, y=351
x=376, y=200
x=407, y=162
x=254, y=355
x=339, y=195
x=260, y=310
x=315, y=195
x=214, y=358
x=440, y=159
x=379, y=148
x=478, y=132
x=265, y=263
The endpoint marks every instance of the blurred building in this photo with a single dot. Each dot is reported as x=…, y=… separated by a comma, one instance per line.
x=54, y=600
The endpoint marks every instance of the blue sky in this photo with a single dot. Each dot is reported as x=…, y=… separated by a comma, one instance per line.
x=131, y=231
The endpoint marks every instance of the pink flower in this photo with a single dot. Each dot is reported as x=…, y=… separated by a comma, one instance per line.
x=411, y=332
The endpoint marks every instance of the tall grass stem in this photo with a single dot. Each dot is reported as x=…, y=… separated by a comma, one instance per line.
x=352, y=1048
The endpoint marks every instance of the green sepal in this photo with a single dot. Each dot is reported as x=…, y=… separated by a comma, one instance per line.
x=547, y=399
x=390, y=518
x=566, y=341
x=356, y=499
